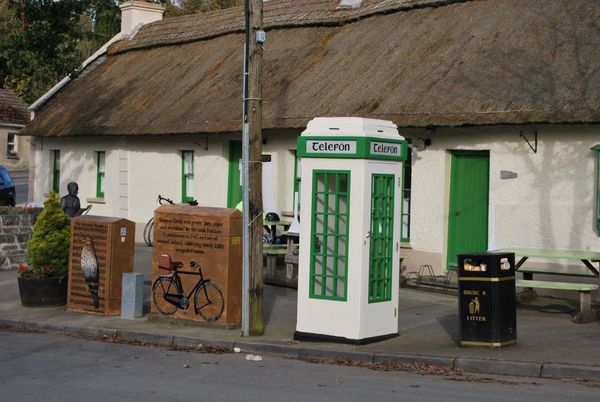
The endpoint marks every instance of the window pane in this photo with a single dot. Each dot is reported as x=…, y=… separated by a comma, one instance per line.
x=320, y=182
x=318, y=266
x=55, y=170
x=343, y=183
x=381, y=240
x=328, y=253
x=329, y=286
x=101, y=162
x=102, y=184
x=319, y=224
x=189, y=186
x=188, y=163
x=188, y=175
x=341, y=250
x=10, y=144
x=343, y=204
x=407, y=184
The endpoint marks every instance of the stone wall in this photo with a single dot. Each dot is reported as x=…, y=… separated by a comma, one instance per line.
x=16, y=229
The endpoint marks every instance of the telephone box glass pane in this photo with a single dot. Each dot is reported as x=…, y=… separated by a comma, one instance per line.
x=381, y=237
x=329, y=247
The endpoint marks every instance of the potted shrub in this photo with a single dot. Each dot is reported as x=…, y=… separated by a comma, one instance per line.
x=44, y=281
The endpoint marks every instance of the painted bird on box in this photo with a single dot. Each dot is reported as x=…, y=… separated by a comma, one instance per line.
x=89, y=267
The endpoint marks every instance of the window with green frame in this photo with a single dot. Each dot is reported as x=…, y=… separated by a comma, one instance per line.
x=406, y=189
x=597, y=214
x=329, y=244
x=187, y=176
x=381, y=235
x=100, y=173
x=55, y=157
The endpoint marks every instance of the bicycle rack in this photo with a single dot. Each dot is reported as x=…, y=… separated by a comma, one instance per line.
x=426, y=277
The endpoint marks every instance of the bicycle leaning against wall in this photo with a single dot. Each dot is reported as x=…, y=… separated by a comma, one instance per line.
x=149, y=228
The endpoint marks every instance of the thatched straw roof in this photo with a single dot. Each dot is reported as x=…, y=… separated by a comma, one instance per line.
x=417, y=63
x=12, y=109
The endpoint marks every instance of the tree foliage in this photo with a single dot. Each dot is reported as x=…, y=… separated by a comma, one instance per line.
x=175, y=8
x=43, y=41
x=48, y=249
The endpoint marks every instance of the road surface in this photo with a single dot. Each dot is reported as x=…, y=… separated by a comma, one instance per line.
x=36, y=367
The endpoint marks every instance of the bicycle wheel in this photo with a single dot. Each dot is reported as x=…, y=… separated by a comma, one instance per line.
x=209, y=301
x=148, y=232
x=165, y=286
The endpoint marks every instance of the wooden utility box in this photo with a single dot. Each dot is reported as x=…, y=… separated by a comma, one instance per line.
x=212, y=238
x=113, y=240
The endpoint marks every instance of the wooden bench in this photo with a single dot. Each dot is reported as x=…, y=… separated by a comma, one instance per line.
x=585, y=314
x=563, y=271
x=271, y=251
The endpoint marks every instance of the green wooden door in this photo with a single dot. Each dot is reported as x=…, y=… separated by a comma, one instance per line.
x=468, y=210
x=234, y=186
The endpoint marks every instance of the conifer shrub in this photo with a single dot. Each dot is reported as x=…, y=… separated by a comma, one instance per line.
x=48, y=249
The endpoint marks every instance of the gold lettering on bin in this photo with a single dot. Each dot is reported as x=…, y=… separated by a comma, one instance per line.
x=471, y=292
x=479, y=318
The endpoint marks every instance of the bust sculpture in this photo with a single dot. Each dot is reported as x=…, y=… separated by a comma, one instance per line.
x=70, y=203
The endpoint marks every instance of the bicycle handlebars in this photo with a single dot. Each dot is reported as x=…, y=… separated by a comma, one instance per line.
x=161, y=199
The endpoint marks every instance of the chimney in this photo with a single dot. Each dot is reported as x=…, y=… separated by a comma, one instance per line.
x=135, y=12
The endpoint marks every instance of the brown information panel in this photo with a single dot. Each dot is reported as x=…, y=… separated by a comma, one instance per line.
x=210, y=237
x=102, y=249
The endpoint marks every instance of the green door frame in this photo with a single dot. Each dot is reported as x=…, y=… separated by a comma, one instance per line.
x=234, y=187
x=469, y=204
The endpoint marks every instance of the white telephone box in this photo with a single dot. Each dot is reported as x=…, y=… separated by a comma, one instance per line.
x=349, y=260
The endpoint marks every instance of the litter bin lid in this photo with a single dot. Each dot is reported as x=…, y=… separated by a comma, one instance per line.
x=486, y=265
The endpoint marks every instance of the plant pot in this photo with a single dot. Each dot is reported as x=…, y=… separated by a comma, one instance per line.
x=43, y=291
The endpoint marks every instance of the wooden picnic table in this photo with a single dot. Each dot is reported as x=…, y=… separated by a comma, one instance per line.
x=291, y=256
x=288, y=251
x=272, y=225
x=587, y=258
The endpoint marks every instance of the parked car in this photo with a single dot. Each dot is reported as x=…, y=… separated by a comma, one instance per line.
x=8, y=194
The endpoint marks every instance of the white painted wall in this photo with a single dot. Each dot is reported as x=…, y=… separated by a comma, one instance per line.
x=140, y=168
x=281, y=147
x=549, y=205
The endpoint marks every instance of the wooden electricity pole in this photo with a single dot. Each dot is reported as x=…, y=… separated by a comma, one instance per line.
x=252, y=316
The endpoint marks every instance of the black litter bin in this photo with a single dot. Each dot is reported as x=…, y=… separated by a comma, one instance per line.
x=487, y=300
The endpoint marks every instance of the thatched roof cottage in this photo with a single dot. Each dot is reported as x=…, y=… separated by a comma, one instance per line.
x=501, y=99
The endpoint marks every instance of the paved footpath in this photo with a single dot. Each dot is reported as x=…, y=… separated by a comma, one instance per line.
x=549, y=344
